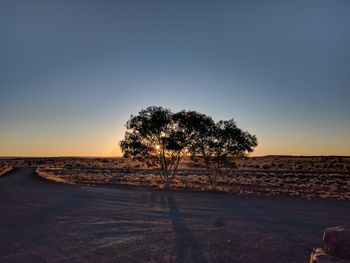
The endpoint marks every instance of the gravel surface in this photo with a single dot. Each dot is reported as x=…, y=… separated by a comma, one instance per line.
x=42, y=221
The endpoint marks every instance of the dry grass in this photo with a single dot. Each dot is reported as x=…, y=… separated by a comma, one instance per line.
x=307, y=177
x=4, y=169
x=237, y=182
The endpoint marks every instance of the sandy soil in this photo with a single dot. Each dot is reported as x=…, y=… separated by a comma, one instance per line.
x=41, y=221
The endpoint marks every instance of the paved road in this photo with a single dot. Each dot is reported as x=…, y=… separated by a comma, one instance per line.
x=41, y=221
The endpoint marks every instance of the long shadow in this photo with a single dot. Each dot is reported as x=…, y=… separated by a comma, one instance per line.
x=187, y=248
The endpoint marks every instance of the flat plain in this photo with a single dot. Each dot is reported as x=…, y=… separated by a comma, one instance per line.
x=45, y=221
x=305, y=177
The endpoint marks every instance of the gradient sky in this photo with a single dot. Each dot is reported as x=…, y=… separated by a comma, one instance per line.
x=72, y=72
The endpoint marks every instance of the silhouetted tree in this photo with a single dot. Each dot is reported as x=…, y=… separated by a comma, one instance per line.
x=153, y=137
x=218, y=145
x=160, y=138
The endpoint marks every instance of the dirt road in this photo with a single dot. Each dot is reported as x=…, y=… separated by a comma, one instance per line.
x=41, y=221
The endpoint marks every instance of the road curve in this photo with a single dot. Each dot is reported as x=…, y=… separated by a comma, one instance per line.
x=41, y=221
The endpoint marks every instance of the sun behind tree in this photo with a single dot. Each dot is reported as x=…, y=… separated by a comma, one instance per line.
x=160, y=138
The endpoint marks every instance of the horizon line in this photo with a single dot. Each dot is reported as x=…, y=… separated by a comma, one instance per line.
x=119, y=156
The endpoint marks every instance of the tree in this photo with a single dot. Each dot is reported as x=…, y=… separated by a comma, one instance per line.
x=160, y=138
x=154, y=138
x=218, y=145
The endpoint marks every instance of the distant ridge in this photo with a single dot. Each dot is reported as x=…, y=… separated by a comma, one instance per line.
x=116, y=157
x=301, y=156
x=59, y=157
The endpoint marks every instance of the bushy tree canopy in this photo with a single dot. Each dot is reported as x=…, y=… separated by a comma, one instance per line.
x=154, y=138
x=160, y=138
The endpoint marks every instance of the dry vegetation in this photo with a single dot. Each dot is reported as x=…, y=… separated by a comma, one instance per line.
x=308, y=177
x=4, y=168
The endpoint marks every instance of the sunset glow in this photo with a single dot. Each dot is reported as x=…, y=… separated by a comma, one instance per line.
x=174, y=131
x=69, y=83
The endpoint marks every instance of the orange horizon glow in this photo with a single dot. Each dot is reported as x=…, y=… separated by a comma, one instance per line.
x=70, y=82
x=109, y=152
x=101, y=143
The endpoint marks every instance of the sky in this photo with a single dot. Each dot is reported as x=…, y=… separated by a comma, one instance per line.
x=72, y=72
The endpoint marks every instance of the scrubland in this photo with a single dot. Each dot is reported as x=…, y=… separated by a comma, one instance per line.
x=307, y=177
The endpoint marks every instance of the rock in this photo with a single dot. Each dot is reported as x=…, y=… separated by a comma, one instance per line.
x=337, y=242
x=319, y=255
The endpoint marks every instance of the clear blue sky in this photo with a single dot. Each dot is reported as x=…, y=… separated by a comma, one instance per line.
x=71, y=72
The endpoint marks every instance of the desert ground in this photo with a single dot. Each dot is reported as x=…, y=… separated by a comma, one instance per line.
x=305, y=177
x=44, y=221
x=266, y=209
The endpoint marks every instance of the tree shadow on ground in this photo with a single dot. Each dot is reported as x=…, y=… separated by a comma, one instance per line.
x=187, y=247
